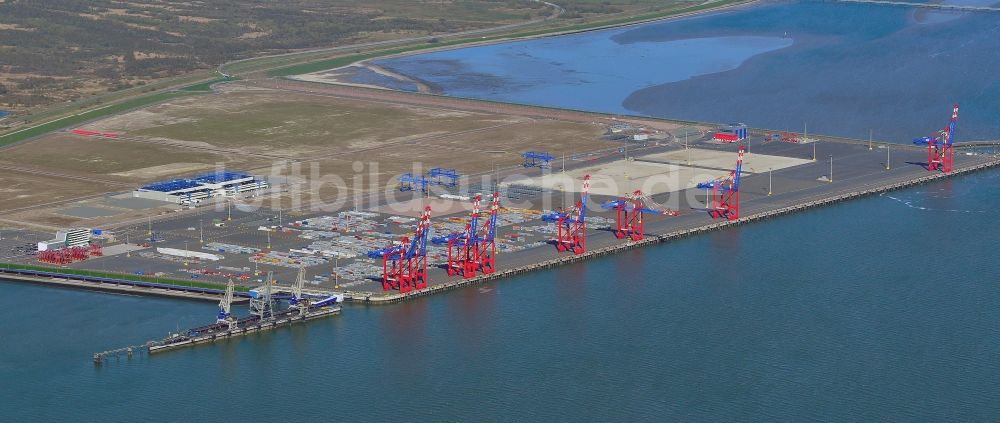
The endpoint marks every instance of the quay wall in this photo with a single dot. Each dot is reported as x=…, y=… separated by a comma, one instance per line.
x=120, y=286
x=379, y=298
x=176, y=291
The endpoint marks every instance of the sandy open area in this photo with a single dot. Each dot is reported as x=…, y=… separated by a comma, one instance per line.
x=711, y=159
x=656, y=173
x=315, y=139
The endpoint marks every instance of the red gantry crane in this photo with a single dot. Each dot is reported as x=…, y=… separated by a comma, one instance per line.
x=487, y=248
x=462, y=249
x=630, y=209
x=941, y=148
x=726, y=192
x=470, y=252
x=460, y=255
x=404, y=265
x=572, y=226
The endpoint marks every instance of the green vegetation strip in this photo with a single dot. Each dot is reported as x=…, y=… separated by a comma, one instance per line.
x=111, y=109
x=122, y=276
x=82, y=117
x=315, y=66
x=206, y=87
x=337, y=62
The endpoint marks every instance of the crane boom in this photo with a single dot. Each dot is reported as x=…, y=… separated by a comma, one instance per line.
x=941, y=147
x=226, y=304
x=739, y=169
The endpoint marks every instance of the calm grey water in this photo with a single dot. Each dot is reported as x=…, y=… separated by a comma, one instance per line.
x=840, y=68
x=881, y=309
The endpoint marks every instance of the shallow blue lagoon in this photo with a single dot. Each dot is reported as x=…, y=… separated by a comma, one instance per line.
x=361, y=75
x=589, y=71
x=840, y=68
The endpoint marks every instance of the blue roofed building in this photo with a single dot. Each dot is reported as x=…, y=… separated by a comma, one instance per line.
x=194, y=190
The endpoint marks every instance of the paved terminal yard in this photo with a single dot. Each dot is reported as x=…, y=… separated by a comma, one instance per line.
x=244, y=244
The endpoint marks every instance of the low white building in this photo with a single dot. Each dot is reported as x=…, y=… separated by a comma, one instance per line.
x=200, y=188
x=68, y=238
x=188, y=254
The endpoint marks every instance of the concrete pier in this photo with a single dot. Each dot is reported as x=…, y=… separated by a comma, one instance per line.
x=116, y=354
x=216, y=332
x=656, y=238
x=118, y=286
x=858, y=168
x=286, y=319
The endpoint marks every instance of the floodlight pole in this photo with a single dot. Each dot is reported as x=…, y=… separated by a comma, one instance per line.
x=769, y=181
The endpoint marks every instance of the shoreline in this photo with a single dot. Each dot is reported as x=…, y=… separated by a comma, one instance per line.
x=514, y=38
x=422, y=87
x=198, y=82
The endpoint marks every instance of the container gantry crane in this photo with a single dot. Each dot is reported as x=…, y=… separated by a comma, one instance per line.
x=410, y=182
x=442, y=176
x=470, y=252
x=469, y=255
x=487, y=248
x=413, y=274
x=404, y=265
x=629, y=210
x=537, y=159
x=572, y=226
x=726, y=191
x=225, y=307
x=941, y=148
x=463, y=247
x=455, y=241
x=298, y=300
x=391, y=259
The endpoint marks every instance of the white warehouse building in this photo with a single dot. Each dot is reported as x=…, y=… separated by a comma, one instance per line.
x=66, y=239
x=199, y=188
